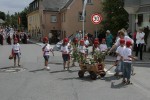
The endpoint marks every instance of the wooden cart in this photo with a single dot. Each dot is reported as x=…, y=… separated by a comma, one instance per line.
x=93, y=69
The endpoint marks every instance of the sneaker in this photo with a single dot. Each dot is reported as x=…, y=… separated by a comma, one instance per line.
x=48, y=68
x=66, y=68
x=19, y=65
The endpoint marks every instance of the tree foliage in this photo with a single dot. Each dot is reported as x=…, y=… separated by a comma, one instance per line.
x=116, y=17
x=2, y=15
x=12, y=20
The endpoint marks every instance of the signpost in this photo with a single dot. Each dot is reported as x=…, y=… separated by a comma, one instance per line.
x=96, y=19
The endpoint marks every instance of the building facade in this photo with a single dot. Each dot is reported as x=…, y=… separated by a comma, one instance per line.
x=139, y=13
x=61, y=17
x=139, y=16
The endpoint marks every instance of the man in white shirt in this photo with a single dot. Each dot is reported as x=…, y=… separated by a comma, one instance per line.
x=140, y=42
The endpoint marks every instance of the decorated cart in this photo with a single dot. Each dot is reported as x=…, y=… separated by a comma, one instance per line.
x=94, y=65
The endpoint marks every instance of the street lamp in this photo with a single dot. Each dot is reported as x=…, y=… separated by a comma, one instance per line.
x=83, y=16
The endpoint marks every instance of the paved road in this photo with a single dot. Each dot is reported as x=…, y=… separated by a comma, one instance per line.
x=33, y=83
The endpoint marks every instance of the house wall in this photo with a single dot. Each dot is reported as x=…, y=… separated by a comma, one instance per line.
x=48, y=25
x=72, y=23
x=33, y=23
x=143, y=9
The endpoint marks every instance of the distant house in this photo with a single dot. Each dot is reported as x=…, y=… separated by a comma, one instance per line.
x=62, y=17
x=139, y=13
x=139, y=16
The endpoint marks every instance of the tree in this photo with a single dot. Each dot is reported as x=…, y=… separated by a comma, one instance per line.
x=2, y=15
x=23, y=17
x=116, y=17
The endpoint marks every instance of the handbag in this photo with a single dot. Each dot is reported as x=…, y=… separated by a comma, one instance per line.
x=11, y=57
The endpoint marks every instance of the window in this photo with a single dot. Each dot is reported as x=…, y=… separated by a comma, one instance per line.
x=81, y=17
x=89, y=1
x=53, y=18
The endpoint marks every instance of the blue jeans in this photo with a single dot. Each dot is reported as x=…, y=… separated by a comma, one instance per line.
x=126, y=70
x=119, y=67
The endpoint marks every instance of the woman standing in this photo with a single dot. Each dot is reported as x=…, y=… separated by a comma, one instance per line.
x=109, y=39
x=46, y=52
x=140, y=43
x=16, y=52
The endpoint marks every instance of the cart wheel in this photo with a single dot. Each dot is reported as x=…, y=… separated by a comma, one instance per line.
x=93, y=75
x=81, y=74
x=102, y=73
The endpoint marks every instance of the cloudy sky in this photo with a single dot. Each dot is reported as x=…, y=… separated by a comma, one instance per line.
x=13, y=5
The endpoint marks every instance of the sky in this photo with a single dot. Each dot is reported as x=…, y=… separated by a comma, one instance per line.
x=13, y=6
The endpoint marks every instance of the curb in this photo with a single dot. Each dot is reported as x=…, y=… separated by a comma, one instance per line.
x=109, y=60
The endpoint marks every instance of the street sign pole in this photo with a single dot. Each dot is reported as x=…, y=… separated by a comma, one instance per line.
x=96, y=31
x=83, y=16
x=96, y=19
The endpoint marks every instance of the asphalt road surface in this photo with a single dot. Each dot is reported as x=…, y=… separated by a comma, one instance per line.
x=33, y=83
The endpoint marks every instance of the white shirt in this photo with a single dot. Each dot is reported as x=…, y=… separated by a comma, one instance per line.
x=64, y=49
x=126, y=53
x=86, y=42
x=82, y=49
x=103, y=47
x=126, y=38
x=139, y=37
x=16, y=48
x=120, y=51
x=47, y=49
x=97, y=49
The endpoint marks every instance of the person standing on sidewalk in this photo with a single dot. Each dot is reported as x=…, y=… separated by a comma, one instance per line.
x=109, y=39
x=140, y=43
x=16, y=51
x=46, y=52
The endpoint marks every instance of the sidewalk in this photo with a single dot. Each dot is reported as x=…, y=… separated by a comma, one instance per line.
x=146, y=55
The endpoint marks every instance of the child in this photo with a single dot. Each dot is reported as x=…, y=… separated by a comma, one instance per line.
x=127, y=60
x=103, y=46
x=95, y=45
x=75, y=51
x=46, y=52
x=82, y=50
x=119, y=62
x=65, y=53
x=86, y=43
x=100, y=65
x=96, y=49
x=16, y=51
